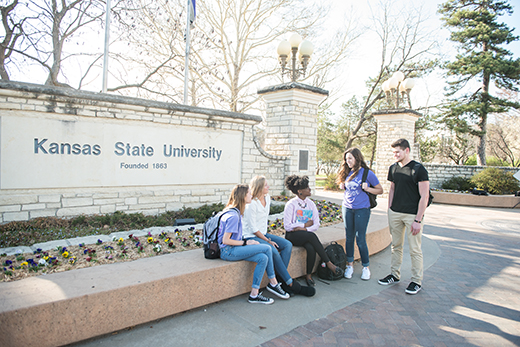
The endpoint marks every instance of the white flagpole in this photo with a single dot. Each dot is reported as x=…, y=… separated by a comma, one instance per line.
x=186, y=62
x=107, y=40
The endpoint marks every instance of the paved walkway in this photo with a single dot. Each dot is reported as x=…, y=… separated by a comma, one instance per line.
x=471, y=294
x=470, y=297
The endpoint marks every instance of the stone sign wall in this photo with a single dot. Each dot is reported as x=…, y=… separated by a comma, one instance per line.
x=65, y=153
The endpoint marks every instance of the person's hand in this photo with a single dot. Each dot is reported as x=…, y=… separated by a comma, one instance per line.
x=299, y=228
x=309, y=223
x=252, y=242
x=416, y=228
x=342, y=186
x=272, y=243
x=364, y=186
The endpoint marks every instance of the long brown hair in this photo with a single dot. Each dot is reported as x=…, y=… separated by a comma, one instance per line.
x=344, y=171
x=237, y=198
x=257, y=185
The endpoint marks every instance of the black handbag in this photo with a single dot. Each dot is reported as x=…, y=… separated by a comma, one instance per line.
x=371, y=197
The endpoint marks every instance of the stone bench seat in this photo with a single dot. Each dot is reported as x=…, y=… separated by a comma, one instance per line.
x=71, y=306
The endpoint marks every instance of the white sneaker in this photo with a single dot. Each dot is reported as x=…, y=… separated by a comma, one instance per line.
x=348, y=272
x=365, y=275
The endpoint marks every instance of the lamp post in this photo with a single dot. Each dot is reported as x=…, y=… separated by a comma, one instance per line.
x=397, y=89
x=300, y=50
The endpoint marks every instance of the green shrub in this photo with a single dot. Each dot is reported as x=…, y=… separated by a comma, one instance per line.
x=494, y=161
x=274, y=209
x=495, y=181
x=457, y=183
x=330, y=182
x=490, y=161
x=471, y=160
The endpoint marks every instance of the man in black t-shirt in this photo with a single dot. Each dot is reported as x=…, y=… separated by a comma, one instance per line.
x=407, y=202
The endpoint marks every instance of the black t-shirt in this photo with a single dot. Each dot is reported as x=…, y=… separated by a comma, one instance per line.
x=406, y=192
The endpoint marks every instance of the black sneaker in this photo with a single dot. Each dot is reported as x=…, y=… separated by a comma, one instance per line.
x=390, y=279
x=260, y=299
x=278, y=291
x=413, y=288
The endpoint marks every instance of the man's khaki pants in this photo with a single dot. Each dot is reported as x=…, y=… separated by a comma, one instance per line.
x=399, y=225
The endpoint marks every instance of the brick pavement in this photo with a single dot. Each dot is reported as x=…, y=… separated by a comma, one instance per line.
x=470, y=296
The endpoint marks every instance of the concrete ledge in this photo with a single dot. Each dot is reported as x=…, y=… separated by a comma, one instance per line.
x=499, y=201
x=71, y=306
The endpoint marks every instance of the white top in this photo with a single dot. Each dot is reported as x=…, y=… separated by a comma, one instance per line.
x=256, y=217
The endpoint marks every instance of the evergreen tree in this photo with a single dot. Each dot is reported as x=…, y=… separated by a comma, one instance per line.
x=481, y=60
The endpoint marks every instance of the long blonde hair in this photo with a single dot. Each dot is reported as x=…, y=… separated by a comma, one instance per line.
x=257, y=185
x=237, y=198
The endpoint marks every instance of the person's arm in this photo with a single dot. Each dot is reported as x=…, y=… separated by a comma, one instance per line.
x=391, y=194
x=372, y=184
x=288, y=217
x=229, y=228
x=227, y=240
x=315, y=218
x=253, y=218
x=378, y=189
x=424, y=191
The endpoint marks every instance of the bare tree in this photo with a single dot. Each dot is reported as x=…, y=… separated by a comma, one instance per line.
x=503, y=138
x=406, y=46
x=49, y=26
x=458, y=148
x=13, y=29
x=233, y=48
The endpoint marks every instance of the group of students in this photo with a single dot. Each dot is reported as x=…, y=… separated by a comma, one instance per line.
x=243, y=231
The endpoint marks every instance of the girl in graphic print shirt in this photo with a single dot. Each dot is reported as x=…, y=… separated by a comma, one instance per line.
x=301, y=219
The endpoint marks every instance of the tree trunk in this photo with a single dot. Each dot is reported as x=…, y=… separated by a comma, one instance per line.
x=481, y=147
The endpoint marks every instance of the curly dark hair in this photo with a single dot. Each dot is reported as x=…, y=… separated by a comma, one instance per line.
x=295, y=183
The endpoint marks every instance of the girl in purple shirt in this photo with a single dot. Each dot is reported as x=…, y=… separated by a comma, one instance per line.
x=233, y=247
x=356, y=207
x=301, y=219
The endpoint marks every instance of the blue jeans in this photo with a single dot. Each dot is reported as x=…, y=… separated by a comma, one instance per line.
x=281, y=255
x=259, y=254
x=356, y=222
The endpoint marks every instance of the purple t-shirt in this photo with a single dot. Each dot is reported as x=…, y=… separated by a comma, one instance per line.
x=231, y=222
x=354, y=197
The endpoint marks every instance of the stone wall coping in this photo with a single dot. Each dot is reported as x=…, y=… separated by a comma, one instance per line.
x=292, y=85
x=70, y=93
x=489, y=201
x=396, y=111
x=470, y=167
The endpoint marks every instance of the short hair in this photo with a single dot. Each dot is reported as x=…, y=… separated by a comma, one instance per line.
x=295, y=183
x=402, y=143
x=257, y=185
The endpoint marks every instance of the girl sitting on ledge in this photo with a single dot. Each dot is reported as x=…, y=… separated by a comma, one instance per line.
x=233, y=247
x=256, y=218
x=301, y=219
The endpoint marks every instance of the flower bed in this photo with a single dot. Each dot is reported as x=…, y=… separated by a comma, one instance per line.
x=20, y=266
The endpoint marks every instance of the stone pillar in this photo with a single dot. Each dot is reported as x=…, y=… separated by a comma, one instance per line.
x=292, y=126
x=392, y=125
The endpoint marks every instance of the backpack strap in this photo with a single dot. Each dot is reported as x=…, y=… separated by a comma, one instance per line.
x=365, y=175
x=364, y=179
x=220, y=217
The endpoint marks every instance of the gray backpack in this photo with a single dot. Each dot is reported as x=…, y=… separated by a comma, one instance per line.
x=210, y=234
